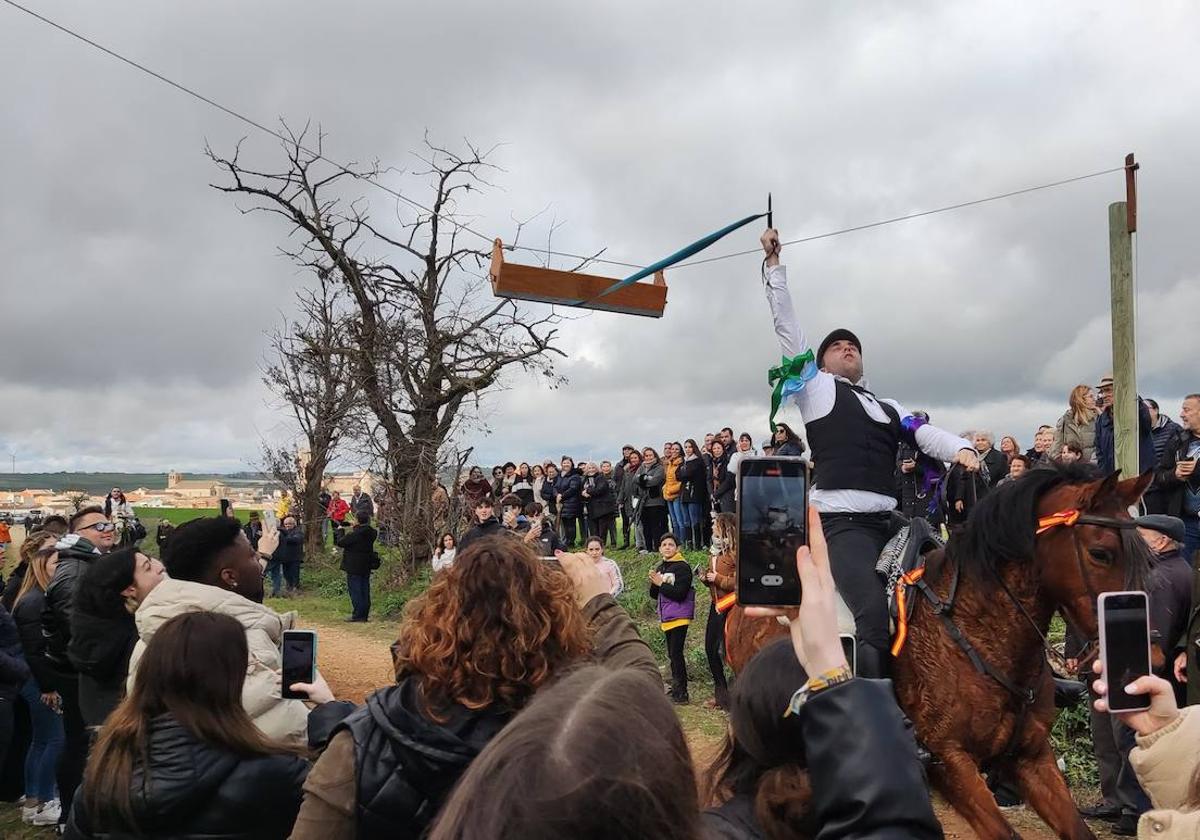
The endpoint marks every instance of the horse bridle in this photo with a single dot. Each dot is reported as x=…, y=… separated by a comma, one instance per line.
x=943, y=608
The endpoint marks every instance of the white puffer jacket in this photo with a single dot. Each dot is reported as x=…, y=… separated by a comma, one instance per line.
x=281, y=719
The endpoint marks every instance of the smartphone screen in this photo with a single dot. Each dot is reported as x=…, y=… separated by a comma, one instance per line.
x=1124, y=647
x=772, y=505
x=270, y=520
x=299, y=660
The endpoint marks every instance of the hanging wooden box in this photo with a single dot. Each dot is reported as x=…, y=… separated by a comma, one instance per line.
x=569, y=288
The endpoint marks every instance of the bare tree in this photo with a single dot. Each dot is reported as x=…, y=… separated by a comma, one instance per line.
x=312, y=372
x=427, y=338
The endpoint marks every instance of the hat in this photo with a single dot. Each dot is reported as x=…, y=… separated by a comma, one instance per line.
x=1171, y=526
x=1107, y=379
x=840, y=334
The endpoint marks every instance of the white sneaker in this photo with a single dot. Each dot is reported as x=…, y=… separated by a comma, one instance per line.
x=27, y=813
x=48, y=814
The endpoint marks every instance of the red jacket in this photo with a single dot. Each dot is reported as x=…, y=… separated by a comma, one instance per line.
x=338, y=508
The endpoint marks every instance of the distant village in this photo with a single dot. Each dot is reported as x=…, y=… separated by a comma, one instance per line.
x=180, y=492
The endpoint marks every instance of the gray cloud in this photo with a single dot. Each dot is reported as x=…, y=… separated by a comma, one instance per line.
x=136, y=290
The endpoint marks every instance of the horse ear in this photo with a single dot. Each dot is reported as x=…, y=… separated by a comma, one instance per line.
x=1101, y=489
x=1130, y=491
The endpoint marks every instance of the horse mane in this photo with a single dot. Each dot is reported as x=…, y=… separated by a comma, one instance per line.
x=1003, y=526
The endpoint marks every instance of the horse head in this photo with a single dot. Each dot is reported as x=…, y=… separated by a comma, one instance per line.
x=1086, y=544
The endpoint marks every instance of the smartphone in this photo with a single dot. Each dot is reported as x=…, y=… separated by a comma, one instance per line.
x=850, y=649
x=270, y=520
x=299, y=661
x=772, y=517
x=1124, y=646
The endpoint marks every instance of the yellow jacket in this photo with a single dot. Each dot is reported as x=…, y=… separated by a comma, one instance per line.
x=1165, y=763
x=672, y=487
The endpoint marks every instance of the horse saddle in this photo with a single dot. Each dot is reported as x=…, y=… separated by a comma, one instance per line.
x=901, y=564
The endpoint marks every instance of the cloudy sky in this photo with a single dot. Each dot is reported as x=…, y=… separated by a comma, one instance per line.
x=136, y=297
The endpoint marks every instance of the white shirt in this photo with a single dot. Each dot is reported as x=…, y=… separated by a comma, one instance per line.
x=816, y=400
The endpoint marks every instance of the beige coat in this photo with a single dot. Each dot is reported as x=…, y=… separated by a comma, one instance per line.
x=1165, y=763
x=285, y=720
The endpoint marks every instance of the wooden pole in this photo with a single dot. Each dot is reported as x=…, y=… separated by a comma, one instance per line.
x=1124, y=351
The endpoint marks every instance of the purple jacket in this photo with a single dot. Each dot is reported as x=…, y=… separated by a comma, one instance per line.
x=676, y=600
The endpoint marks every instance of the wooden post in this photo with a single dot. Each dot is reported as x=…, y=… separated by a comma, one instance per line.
x=1124, y=351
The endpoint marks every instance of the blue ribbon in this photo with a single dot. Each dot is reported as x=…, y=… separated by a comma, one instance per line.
x=680, y=255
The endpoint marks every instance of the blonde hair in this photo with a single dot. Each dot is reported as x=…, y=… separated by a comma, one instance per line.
x=36, y=574
x=1079, y=407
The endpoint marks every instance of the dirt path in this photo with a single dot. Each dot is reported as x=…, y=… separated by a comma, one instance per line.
x=355, y=659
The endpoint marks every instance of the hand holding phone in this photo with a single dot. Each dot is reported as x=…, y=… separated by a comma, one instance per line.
x=772, y=517
x=1124, y=646
x=299, y=655
x=1161, y=711
x=814, y=626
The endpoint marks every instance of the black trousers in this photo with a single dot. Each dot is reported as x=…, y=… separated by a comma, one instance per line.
x=570, y=527
x=679, y=676
x=654, y=524
x=855, y=541
x=75, y=748
x=714, y=649
x=626, y=522
x=605, y=528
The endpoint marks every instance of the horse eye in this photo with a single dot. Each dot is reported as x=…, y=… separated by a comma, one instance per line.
x=1101, y=555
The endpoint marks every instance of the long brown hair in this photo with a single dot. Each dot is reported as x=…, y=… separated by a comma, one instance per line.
x=193, y=670
x=1079, y=408
x=598, y=754
x=763, y=754
x=35, y=559
x=490, y=629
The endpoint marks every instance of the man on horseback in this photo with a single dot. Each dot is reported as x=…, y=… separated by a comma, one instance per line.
x=854, y=437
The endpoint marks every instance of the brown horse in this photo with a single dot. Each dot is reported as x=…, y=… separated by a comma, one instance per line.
x=998, y=583
x=1007, y=582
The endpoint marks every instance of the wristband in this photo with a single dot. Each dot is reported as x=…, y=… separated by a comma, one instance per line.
x=827, y=679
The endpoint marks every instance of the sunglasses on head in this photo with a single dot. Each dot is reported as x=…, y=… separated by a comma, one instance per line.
x=102, y=527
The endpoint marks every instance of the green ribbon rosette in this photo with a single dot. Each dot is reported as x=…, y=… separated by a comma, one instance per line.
x=789, y=378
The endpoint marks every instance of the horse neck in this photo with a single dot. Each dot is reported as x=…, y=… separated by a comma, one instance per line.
x=980, y=595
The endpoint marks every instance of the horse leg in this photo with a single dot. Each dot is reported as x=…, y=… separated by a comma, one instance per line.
x=1045, y=789
x=959, y=780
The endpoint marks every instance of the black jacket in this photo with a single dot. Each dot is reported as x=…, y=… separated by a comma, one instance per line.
x=489, y=527
x=569, y=486
x=1169, y=488
x=997, y=466
x=601, y=500
x=14, y=672
x=363, y=502
x=99, y=649
x=691, y=475
x=74, y=554
x=193, y=790
x=850, y=732
x=723, y=484
x=13, y=585
x=291, y=546
x=1106, y=440
x=405, y=764
x=358, y=548
x=28, y=615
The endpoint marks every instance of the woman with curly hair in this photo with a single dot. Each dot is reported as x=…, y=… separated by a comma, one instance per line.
x=472, y=651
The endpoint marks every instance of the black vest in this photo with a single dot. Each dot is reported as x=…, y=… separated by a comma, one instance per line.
x=852, y=451
x=404, y=776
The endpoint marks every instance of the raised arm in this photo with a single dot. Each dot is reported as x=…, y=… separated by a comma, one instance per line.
x=815, y=399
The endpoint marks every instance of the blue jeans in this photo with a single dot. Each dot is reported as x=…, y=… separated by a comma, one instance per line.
x=678, y=523
x=45, y=746
x=275, y=572
x=291, y=574
x=1191, y=537
x=360, y=595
